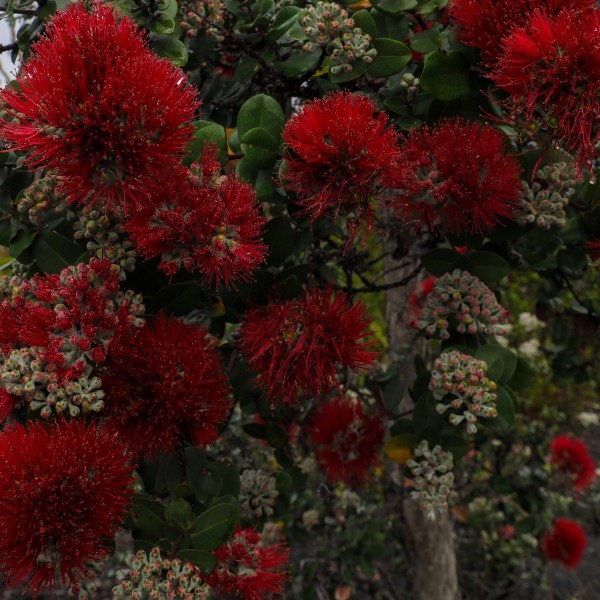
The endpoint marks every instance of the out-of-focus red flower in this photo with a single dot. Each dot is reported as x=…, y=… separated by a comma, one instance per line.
x=551, y=68
x=337, y=149
x=298, y=346
x=203, y=222
x=485, y=23
x=98, y=107
x=64, y=489
x=456, y=175
x=593, y=249
x=565, y=543
x=248, y=570
x=507, y=531
x=347, y=441
x=165, y=385
x=417, y=299
x=571, y=456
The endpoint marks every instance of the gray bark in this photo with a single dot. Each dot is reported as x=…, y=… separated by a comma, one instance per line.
x=429, y=544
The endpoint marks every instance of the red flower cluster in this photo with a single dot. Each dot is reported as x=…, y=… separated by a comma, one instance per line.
x=248, y=570
x=456, y=175
x=57, y=328
x=347, y=441
x=551, y=68
x=99, y=108
x=485, y=23
x=63, y=491
x=203, y=223
x=571, y=456
x=166, y=384
x=338, y=148
x=297, y=346
x=565, y=543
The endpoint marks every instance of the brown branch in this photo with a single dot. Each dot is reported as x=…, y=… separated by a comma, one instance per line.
x=9, y=47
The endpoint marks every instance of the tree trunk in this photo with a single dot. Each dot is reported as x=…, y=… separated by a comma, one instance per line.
x=430, y=544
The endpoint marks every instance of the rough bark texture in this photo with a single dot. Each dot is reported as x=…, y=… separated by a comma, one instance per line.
x=430, y=545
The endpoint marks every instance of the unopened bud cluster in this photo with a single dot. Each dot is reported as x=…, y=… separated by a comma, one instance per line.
x=411, y=84
x=106, y=241
x=154, y=578
x=459, y=383
x=432, y=478
x=327, y=25
x=461, y=302
x=203, y=15
x=258, y=493
x=544, y=201
x=40, y=203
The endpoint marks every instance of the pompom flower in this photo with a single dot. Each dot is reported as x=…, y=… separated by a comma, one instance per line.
x=565, y=543
x=461, y=302
x=347, y=441
x=57, y=329
x=485, y=23
x=456, y=175
x=298, y=346
x=203, y=222
x=337, y=149
x=64, y=489
x=248, y=570
x=572, y=458
x=98, y=107
x=551, y=68
x=165, y=385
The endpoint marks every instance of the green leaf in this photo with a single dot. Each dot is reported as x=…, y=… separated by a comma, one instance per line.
x=364, y=21
x=501, y=361
x=214, y=526
x=284, y=20
x=427, y=41
x=262, y=112
x=446, y=76
x=572, y=261
x=454, y=444
x=205, y=561
x=20, y=242
x=180, y=513
x=162, y=25
x=523, y=376
x=177, y=299
x=393, y=7
x=300, y=63
x=488, y=266
x=207, y=133
x=170, y=48
x=392, y=57
x=276, y=435
x=440, y=260
x=279, y=237
x=392, y=28
x=149, y=516
x=284, y=482
x=393, y=393
x=259, y=147
x=505, y=406
x=54, y=252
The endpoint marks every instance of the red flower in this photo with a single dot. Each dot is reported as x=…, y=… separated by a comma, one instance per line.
x=572, y=457
x=593, y=249
x=347, y=442
x=203, y=223
x=63, y=491
x=456, y=174
x=99, y=108
x=297, y=346
x=417, y=299
x=166, y=384
x=551, y=68
x=338, y=147
x=485, y=23
x=565, y=543
x=247, y=570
